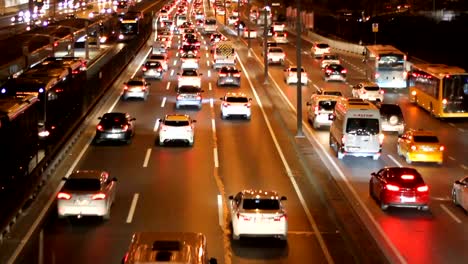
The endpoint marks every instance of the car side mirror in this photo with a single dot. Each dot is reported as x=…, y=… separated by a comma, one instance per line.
x=194, y=121
x=250, y=99
x=202, y=91
x=373, y=174
x=457, y=182
x=309, y=103
x=283, y=198
x=178, y=73
x=132, y=119
x=231, y=197
x=221, y=98
x=99, y=118
x=114, y=179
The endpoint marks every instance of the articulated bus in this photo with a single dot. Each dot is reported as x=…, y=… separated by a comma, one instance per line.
x=387, y=66
x=440, y=89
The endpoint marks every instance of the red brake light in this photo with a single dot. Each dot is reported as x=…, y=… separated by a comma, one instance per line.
x=64, y=196
x=222, y=74
x=391, y=187
x=407, y=177
x=328, y=71
x=382, y=92
x=413, y=147
x=126, y=87
x=247, y=105
x=243, y=217
x=344, y=71
x=100, y=128
x=225, y=104
x=441, y=148
x=280, y=218
x=99, y=196
x=424, y=188
x=144, y=68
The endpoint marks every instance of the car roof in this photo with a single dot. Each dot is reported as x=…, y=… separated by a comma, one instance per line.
x=233, y=94
x=229, y=68
x=421, y=132
x=86, y=174
x=262, y=194
x=322, y=97
x=177, y=117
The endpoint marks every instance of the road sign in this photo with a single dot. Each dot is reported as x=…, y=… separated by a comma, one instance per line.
x=375, y=27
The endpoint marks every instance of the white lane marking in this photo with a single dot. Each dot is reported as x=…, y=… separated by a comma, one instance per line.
x=172, y=72
x=163, y=102
x=131, y=212
x=213, y=126
x=325, y=156
x=209, y=73
x=461, y=129
x=147, y=156
x=141, y=63
x=206, y=49
x=464, y=166
x=394, y=160
x=156, y=125
x=207, y=55
x=452, y=124
x=220, y=210
x=316, y=87
x=208, y=63
x=168, y=85
x=215, y=157
x=289, y=172
x=175, y=63
x=451, y=158
x=454, y=217
x=211, y=102
x=209, y=86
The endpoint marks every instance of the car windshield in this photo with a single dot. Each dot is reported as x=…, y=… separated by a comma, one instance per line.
x=277, y=50
x=157, y=57
x=330, y=57
x=322, y=46
x=425, y=139
x=335, y=67
x=337, y=93
x=362, y=126
x=372, y=88
x=210, y=22
x=189, y=89
x=83, y=184
x=189, y=73
x=411, y=178
x=327, y=105
x=390, y=109
x=261, y=204
x=237, y=99
x=135, y=83
x=113, y=118
x=176, y=123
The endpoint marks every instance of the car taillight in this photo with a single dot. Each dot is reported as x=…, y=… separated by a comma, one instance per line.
x=328, y=71
x=222, y=75
x=99, y=196
x=236, y=75
x=125, y=87
x=160, y=69
x=391, y=187
x=125, y=128
x=199, y=97
x=413, y=147
x=381, y=91
x=441, y=148
x=280, y=218
x=344, y=71
x=179, y=97
x=226, y=104
x=285, y=34
x=243, y=217
x=100, y=127
x=377, y=76
x=63, y=196
x=423, y=188
x=247, y=105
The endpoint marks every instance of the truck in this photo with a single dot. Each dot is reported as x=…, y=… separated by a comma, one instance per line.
x=223, y=54
x=129, y=25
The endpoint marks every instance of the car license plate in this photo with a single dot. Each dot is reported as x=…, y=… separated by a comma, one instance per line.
x=113, y=136
x=81, y=202
x=408, y=199
x=228, y=80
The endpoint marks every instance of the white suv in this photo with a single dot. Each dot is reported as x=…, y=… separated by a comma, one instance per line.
x=368, y=91
x=189, y=77
x=258, y=213
x=319, y=49
x=176, y=127
x=276, y=55
x=235, y=104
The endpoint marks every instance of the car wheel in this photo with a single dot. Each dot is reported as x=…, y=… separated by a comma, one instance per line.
x=190, y=143
x=375, y=157
x=371, y=192
x=454, y=198
x=248, y=117
x=383, y=206
x=223, y=116
x=161, y=143
x=316, y=125
x=408, y=160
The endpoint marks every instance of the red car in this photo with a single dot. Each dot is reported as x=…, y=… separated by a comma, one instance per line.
x=399, y=187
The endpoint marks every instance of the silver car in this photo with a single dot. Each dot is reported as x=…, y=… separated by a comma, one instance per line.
x=229, y=75
x=460, y=193
x=87, y=193
x=135, y=88
x=189, y=96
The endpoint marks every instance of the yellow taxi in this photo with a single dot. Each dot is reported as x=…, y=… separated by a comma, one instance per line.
x=420, y=146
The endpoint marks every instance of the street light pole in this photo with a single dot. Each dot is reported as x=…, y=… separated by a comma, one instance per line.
x=225, y=12
x=299, y=132
x=249, y=42
x=265, y=48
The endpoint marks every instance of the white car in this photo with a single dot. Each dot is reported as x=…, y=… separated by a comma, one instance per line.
x=253, y=33
x=368, y=91
x=460, y=193
x=87, y=193
x=319, y=49
x=236, y=104
x=281, y=37
x=176, y=127
x=189, y=61
x=161, y=58
x=278, y=26
x=328, y=59
x=258, y=213
x=232, y=20
x=276, y=55
x=190, y=78
x=290, y=75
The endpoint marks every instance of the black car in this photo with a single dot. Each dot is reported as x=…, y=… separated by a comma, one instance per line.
x=188, y=48
x=115, y=126
x=229, y=75
x=335, y=72
x=392, y=118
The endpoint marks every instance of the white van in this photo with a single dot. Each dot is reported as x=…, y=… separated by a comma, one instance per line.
x=180, y=19
x=356, y=129
x=168, y=247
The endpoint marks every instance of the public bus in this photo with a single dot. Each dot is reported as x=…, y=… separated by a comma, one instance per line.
x=386, y=66
x=440, y=89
